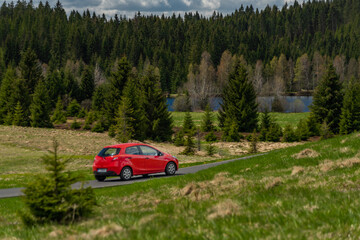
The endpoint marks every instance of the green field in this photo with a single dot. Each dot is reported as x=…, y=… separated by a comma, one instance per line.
x=303, y=192
x=282, y=118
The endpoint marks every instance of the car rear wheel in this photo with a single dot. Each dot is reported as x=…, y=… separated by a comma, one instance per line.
x=100, y=178
x=126, y=173
x=170, y=168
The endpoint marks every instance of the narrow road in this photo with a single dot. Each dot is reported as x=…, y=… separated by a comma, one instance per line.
x=16, y=192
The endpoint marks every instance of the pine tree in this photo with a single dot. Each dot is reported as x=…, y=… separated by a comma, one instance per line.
x=157, y=117
x=40, y=107
x=30, y=69
x=125, y=122
x=73, y=109
x=18, y=117
x=289, y=134
x=189, y=147
x=350, y=112
x=207, y=121
x=239, y=102
x=87, y=85
x=6, y=92
x=327, y=100
x=302, y=130
x=188, y=124
x=58, y=116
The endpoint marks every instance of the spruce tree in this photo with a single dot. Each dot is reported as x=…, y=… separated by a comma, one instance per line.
x=350, y=112
x=73, y=109
x=18, y=116
x=6, y=92
x=327, y=100
x=40, y=107
x=157, y=117
x=188, y=124
x=125, y=121
x=30, y=69
x=87, y=85
x=207, y=124
x=239, y=102
x=58, y=116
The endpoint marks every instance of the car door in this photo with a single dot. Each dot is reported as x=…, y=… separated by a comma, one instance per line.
x=133, y=154
x=152, y=162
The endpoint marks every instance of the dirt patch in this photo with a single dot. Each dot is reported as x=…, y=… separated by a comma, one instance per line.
x=223, y=209
x=345, y=150
x=306, y=153
x=274, y=182
x=297, y=170
x=56, y=233
x=104, y=232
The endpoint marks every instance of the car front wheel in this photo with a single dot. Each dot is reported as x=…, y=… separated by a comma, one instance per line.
x=126, y=173
x=170, y=168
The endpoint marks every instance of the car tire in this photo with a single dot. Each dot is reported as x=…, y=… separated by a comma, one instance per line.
x=100, y=178
x=126, y=173
x=170, y=168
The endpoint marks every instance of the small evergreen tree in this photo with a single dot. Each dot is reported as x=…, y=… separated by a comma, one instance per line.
x=231, y=132
x=274, y=133
x=313, y=126
x=179, y=139
x=239, y=103
x=40, y=107
x=302, y=130
x=277, y=105
x=59, y=116
x=210, y=137
x=327, y=100
x=75, y=124
x=82, y=113
x=50, y=198
x=210, y=149
x=289, y=134
x=189, y=147
x=253, y=142
x=350, y=112
x=18, y=117
x=188, y=124
x=207, y=124
x=325, y=131
x=87, y=84
x=112, y=131
x=124, y=120
x=73, y=109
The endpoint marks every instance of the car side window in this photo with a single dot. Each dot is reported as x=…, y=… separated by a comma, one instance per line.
x=148, y=151
x=132, y=150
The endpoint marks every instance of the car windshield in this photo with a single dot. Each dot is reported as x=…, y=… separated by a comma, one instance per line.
x=106, y=152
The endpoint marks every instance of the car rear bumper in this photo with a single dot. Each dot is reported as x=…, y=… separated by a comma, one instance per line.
x=107, y=174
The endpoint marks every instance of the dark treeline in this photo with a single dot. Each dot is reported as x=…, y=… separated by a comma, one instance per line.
x=74, y=42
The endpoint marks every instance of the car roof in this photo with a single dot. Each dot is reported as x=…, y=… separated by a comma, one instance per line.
x=124, y=145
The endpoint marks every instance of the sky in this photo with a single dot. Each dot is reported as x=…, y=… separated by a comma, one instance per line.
x=128, y=8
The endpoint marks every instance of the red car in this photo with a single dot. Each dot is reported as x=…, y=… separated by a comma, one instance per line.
x=129, y=159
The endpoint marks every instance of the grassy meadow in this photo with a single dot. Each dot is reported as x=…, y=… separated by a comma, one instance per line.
x=308, y=191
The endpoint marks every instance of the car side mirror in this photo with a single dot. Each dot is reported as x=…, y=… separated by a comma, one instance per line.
x=160, y=154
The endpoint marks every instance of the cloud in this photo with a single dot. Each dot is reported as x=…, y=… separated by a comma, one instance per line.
x=129, y=7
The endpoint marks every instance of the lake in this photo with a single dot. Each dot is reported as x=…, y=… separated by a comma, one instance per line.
x=290, y=103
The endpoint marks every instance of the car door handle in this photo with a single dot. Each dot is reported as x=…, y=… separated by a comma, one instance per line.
x=128, y=158
x=147, y=158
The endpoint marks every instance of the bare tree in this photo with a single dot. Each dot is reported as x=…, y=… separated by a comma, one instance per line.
x=352, y=69
x=339, y=65
x=224, y=69
x=99, y=77
x=280, y=76
x=257, y=78
x=201, y=84
x=302, y=72
x=319, y=68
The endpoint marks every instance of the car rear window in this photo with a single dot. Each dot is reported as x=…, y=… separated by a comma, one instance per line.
x=106, y=152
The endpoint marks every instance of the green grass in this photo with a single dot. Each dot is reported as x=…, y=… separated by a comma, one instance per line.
x=282, y=118
x=252, y=199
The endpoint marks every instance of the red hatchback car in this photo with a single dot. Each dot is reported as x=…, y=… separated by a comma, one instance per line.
x=129, y=159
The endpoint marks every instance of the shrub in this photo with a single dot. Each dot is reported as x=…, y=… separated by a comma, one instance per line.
x=179, y=139
x=49, y=198
x=210, y=137
x=325, y=131
x=73, y=109
x=190, y=147
x=302, y=131
x=75, y=124
x=210, y=149
x=82, y=113
x=98, y=127
x=289, y=134
x=274, y=133
x=182, y=103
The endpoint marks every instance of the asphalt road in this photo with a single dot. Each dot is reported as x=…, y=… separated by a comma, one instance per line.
x=16, y=192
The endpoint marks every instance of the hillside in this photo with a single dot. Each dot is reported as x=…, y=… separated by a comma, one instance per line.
x=303, y=192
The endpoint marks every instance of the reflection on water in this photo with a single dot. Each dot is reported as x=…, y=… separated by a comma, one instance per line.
x=289, y=103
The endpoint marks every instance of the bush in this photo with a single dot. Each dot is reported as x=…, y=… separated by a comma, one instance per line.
x=75, y=124
x=274, y=133
x=98, y=127
x=73, y=109
x=289, y=134
x=210, y=149
x=82, y=113
x=49, y=198
x=302, y=131
x=190, y=147
x=277, y=105
x=182, y=103
x=210, y=137
x=86, y=126
x=325, y=131
x=179, y=139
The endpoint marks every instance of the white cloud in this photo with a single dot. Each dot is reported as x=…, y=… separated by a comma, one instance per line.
x=211, y=4
x=187, y=2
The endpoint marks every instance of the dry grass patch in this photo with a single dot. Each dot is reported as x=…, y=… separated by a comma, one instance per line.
x=306, y=153
x=297, y=170
x=104, y=231
x=223, y=209
x=328, y=165
x=238, y=148
x=273, y=182
x=345, y=150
